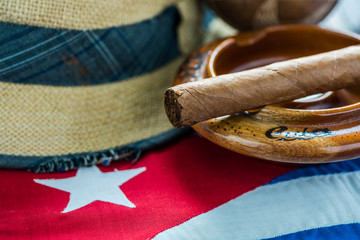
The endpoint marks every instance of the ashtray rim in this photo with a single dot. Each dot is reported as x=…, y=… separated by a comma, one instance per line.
x=253, y=37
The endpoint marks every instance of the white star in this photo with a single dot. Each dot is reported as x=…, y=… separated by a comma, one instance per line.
x=90, y=184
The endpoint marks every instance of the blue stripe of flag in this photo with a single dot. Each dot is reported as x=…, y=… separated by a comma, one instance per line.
x=320, y=169
x=339, y=232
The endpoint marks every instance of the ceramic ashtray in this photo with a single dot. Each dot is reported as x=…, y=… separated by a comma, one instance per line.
x=316, y=129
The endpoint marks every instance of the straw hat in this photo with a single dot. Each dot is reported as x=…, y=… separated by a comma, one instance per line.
x=81, y=82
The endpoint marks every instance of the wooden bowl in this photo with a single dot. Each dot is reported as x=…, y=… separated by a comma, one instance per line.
x=252, y=14
x=317, y=129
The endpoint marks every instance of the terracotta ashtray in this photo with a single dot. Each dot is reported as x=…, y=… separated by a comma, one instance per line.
x=316, y=129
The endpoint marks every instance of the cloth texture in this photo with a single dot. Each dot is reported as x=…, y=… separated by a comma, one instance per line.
x=193, y=189
x=81, y=82
x=81, y=14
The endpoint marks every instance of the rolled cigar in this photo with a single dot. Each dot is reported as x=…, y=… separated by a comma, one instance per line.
x=193, y=102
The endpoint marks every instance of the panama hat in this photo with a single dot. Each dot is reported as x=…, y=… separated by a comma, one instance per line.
x=81, y=82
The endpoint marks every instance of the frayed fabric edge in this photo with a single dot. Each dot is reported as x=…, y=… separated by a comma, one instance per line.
x=63, y=164
x=130, y=152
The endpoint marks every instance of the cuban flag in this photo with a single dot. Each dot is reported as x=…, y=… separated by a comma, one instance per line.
x=189, y=190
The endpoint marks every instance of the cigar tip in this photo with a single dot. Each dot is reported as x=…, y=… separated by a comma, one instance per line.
x=173, y=108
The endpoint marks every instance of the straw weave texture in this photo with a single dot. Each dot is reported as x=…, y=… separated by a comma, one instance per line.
x=80, y=14
x=190, y=31
x=96, y=14
x=40, y=120
x=52, y=120
x=46, y=120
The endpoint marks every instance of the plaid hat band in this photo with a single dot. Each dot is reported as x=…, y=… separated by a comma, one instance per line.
x=73, y=97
